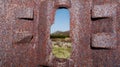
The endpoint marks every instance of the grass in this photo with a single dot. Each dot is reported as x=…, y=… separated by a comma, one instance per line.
x=61, y=52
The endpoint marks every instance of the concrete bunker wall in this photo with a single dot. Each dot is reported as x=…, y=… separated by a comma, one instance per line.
x=25, y=33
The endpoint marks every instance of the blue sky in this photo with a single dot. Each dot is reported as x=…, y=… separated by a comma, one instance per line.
x=62, y=21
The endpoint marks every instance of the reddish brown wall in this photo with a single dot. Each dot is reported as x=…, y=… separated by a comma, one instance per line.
x=25, y=33
x=106, y=56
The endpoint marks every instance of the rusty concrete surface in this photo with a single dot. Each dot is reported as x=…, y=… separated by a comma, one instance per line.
x=104, y=40
x=25, y=33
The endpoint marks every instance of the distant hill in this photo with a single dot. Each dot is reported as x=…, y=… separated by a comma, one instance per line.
x=60, y=34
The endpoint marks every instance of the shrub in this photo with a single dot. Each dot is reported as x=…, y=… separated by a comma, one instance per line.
x=59, y=36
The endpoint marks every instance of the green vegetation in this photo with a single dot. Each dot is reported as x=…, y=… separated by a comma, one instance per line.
x=61, y=52
x=61, y=44
x=58, y=36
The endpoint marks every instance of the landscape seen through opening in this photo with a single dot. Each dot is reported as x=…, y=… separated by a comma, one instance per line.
x=60, y=34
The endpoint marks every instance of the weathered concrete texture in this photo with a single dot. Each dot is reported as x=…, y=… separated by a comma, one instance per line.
x=80, y=32
x=25, y=33
x=105, y=10
x=104, y=40
x=24, y=13
x=105, y=22
x=18, y=48
x=62, y=3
